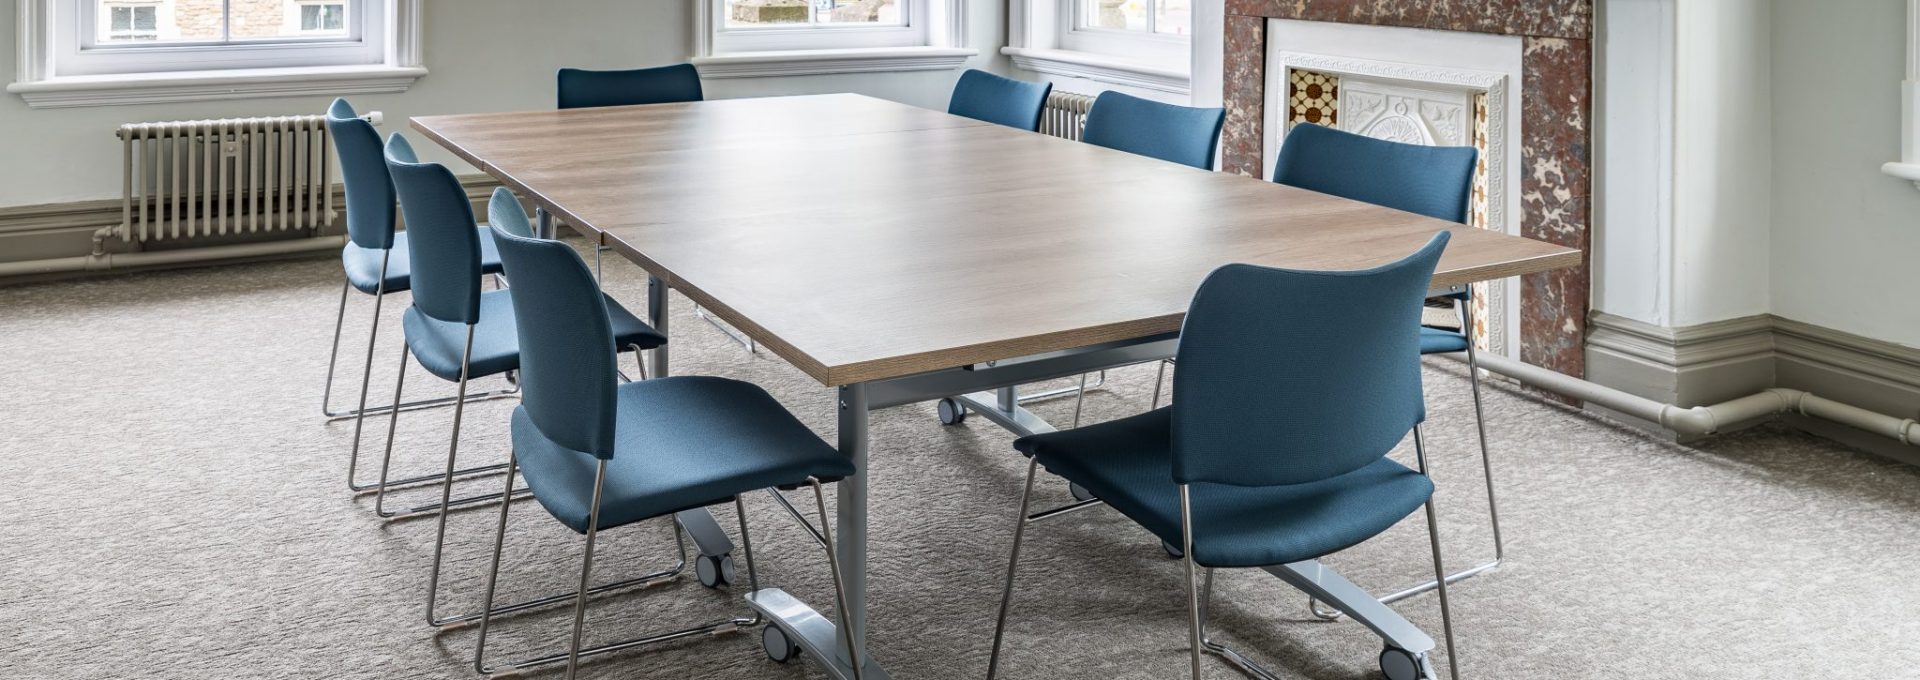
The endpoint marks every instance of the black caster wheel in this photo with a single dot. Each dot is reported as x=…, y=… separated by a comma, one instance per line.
x=1080, y=493
x=714, y=570
x=1400, y=664
x=1173, y=551
x=778, y=646
x=951, y=411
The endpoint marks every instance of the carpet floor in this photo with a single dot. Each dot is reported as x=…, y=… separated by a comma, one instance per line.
x=176, y=508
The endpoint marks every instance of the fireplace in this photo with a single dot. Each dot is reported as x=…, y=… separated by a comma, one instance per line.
x=1524, y=64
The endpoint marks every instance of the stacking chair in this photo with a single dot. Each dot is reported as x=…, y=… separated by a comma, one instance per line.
x=1434, y=181
x=1002, y=101
x=581, y=88
x=1293, y=388
x=600, y=455
x=1177, y=134
x=455, y=330
x=377, y=261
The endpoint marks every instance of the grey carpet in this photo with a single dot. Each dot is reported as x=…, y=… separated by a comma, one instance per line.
x=175, y=507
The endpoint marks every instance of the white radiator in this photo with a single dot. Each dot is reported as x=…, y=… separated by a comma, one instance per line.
x=186, y=179
x=1065, y=115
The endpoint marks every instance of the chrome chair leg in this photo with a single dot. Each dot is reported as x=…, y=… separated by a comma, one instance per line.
x=1193, y=590
x=452, y=473
x=1439, y=567
x=366, y=375
x=493, y=573
x=1080, y=398
x=1486, y=467
x=333, y=355
x=747, y=342
x=839, y=583
x=1245, y=664
x=1044, y=395
x=586, y=569
x=1013, y=562
x=1159, y=378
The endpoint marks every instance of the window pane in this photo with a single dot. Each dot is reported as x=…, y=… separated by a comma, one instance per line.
x=327, y=18
x=1125, y=15
x=122, y=21
x=750, y=13
x=882, y=12
x=1173, y=17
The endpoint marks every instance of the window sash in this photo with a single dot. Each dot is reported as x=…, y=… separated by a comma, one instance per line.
x=78, y=50
x=911, y=31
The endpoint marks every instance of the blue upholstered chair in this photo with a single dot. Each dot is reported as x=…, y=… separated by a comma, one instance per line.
x=600, y=455
x=1002, y=101
x=1261, y=462
x=1436, y=181
x=1178, y=134
x=581, y=88
x=377, y=261
x=455, y=330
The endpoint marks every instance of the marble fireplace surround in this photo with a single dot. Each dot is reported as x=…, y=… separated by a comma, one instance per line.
x=1555, y=135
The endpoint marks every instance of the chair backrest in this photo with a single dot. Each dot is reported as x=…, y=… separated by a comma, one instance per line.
x=443, y=246
x=581, y=88
x=1179, y=134
x=1436, y=181
x=370, y=199
x=566, y=343
x=505, y=214
x=1003, y=101
x=1289, y=377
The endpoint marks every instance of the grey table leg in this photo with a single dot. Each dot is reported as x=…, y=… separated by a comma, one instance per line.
x=1326, y=585
x=852, y=521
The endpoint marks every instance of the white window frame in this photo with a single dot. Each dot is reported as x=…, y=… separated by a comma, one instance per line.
x=931, y=37
x=1051, y=37
x=1908, y=167
x=296, y=13
x=60, y=64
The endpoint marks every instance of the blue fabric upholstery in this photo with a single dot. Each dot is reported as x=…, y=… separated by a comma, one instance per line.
x=363, y=264
x=504, y=213
x=1436, y=181
x=1441, y=341
x=1002, y=101
x=1285, y=460
x=436, y=344
x=669, y=443
x=1177, y=134
x=1346, y=393
x=682, y=442
x=444, y=248
x=580, y=88
x=1129, y=464
x=370, y=197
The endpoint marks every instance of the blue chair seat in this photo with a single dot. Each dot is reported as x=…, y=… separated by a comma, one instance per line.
x=363, y=264
x=682, y=442
x=1129, y=464
x=1441, y=341
x=437, y=344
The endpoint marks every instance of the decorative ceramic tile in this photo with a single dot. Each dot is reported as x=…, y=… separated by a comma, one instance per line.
x=1313, y=98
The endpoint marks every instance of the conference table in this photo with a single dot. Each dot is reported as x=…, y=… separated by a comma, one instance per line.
x=900, y=255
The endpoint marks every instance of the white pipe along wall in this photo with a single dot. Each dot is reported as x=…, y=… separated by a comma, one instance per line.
x=1703, y=420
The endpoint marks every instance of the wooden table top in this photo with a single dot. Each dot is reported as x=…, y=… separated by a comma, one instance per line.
x=862, y=239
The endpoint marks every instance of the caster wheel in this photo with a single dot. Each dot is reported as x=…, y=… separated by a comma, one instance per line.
x=779, y=647
x=1173, y=551
x=1400, y=664
x=714, y=570
x=1080, y=493
x=951, y=412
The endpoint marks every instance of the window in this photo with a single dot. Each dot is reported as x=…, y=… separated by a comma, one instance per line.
x=323, y=17
x=1166, y=17
x=1140, y=44
x=745, y=38
x=129, y=23
x=91, y=52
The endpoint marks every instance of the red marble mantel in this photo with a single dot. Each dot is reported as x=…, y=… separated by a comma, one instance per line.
x=1555, y=137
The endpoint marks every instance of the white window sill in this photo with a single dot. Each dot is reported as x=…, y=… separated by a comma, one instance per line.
x=1906, y=171
x=1102, y=68
x=184, y=86
x=811, y=62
